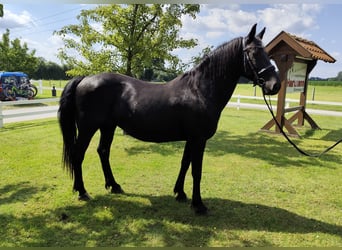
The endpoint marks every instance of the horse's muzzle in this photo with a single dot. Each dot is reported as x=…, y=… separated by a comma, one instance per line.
x=272, y=86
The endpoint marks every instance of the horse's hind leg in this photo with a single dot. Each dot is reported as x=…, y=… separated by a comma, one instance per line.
x=179, y=187
x=103, y=150
x=82, y=144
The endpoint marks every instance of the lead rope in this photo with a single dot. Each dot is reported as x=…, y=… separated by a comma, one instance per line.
x=269, y=106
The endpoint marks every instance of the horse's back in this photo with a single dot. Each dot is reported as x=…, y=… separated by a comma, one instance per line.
x=110, y=96
x=147, y=111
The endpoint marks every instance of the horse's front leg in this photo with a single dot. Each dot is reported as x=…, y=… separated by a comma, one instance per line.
x=197, y=151
x=179, y=187
x=103, y=150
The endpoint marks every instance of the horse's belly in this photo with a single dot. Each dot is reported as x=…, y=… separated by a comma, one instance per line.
x=169, y=129
x=160, y=123
x=158, y=131
x=156, y=137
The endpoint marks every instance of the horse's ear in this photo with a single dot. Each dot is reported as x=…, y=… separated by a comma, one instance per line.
x=261, y=34
x=251, y=34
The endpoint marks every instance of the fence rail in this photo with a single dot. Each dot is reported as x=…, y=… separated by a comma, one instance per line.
x=238, y=104
x=287, y=101
x=39, y=85
x=22, y=112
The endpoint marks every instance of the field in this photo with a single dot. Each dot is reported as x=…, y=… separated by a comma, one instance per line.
x=259, y=190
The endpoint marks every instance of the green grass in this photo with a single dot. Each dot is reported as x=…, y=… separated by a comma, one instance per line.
x=259, y=190
x=326, y=83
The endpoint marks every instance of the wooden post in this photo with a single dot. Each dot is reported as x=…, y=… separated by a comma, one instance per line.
x=284, y=63
x=295, y=58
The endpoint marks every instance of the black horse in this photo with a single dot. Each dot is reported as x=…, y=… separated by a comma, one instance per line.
x=187, y=108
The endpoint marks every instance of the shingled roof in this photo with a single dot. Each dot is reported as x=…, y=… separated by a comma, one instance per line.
x=303, y=47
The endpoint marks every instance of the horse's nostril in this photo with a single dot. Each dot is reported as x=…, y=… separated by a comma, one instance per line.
x=271, y=87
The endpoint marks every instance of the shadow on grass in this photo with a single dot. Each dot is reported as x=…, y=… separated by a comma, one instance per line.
x=254, y=145
x=16, y=193
x=30, y=105
x=333, y=135
x=18, y=126
x=135, y=220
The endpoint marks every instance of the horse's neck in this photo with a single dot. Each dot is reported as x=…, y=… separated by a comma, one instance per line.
x=221, y=81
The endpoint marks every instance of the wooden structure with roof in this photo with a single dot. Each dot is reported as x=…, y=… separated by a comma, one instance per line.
x=295, y=58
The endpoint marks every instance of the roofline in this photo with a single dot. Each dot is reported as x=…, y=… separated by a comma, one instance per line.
x=295, y=44
x=284, y=36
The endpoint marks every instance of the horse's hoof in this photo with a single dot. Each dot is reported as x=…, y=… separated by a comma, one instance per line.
x=200, y=209
x=117, y=190
x=181, y=197
x=84, y=197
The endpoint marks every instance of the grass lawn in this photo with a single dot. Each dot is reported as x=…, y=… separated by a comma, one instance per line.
x=259, y=190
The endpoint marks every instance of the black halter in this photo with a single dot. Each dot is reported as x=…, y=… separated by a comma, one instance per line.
x=257, y=79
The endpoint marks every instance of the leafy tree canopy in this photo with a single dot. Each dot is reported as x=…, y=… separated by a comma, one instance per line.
x=129, y=39
x=50, y=70
x=16, y=56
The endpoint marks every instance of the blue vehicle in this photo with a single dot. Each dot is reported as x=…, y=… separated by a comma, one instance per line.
x=16, y=84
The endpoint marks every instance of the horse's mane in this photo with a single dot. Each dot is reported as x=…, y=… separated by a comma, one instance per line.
x=216, y=63
x=220, y=59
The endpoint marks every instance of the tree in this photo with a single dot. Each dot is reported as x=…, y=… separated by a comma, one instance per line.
x=126, y=38
x=339, y=76
x=1, y=10
x=197, y=59
x=15, y=56
x=50, y=70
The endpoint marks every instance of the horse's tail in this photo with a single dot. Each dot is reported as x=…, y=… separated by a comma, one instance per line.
x=67, y=122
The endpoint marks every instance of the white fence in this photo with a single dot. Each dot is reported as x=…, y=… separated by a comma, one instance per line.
x=287, y=101
x=238, y=104
x=29, y=112
x=22, y=112
x=39, y=85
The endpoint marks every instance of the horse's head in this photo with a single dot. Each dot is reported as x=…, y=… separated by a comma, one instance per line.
x=257, y=65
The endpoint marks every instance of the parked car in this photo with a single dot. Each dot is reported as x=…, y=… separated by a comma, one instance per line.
x=13, y=84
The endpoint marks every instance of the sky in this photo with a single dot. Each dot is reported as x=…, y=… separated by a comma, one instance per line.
x=218, y=22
